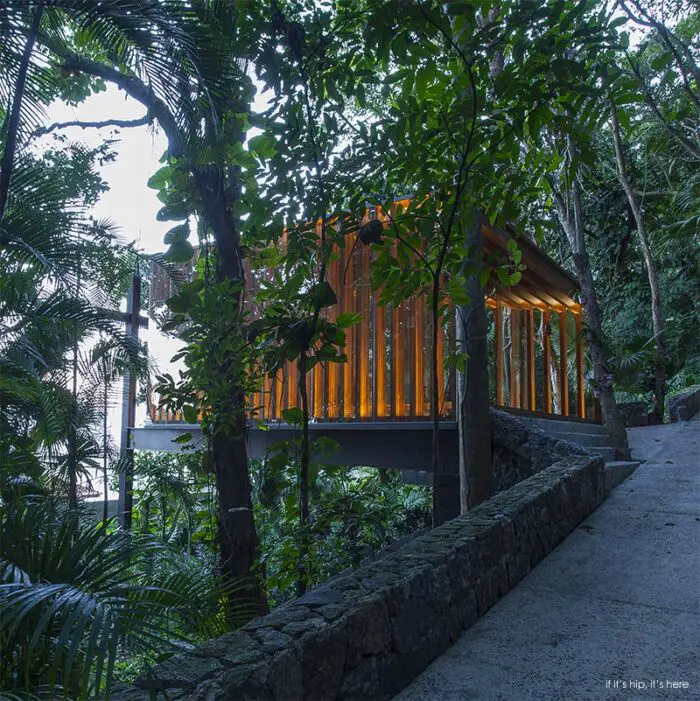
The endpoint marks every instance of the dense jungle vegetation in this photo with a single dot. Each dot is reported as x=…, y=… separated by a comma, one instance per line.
x=574, y=121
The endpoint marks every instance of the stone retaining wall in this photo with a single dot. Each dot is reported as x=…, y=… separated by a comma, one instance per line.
x=684, y=406
x=634, y=413
x=521, y=450
x=366, y=635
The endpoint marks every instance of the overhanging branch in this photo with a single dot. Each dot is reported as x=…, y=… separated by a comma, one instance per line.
x=125, y=123
x=134, y=87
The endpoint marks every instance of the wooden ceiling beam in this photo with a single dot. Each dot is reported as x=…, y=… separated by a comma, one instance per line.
x=540, y=285
x=540, y=294
x=533, y=299
x=510, y=298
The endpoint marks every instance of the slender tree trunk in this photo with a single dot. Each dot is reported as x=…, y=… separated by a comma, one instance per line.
x=652, y=274
x=435, y=399
x=304, y=478
x=238, y=539
x=572, y=223
x=603, y=378
x=474, y=417
x=8, y=155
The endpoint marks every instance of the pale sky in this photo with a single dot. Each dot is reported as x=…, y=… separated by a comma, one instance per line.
x=129, y=203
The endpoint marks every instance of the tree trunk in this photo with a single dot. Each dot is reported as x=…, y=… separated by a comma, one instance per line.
x=238, y=539
x=652, y=274
x=603, y=379
x=474, y=417
x=434, y=408
x=303, y=478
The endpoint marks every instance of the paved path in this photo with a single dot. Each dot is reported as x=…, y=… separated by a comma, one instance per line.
x=618, y=601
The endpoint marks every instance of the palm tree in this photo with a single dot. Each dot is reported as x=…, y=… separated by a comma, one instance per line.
x=75, y=598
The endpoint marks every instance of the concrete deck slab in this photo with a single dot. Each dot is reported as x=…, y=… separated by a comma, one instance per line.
x=617, y=605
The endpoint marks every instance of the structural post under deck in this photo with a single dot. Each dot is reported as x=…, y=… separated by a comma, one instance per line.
x=126, y=457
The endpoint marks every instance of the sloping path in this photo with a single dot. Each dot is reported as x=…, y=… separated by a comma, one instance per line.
x=617, y=602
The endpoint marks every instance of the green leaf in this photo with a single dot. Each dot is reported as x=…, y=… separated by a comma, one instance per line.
x=484, y=276
x=457, y=291
x=263, y=145
x=173, y=212
x=503, y=276
x=515, y=252
x=181, y=232
x=180, y=252
x=270, y=256
x=347, y=319
x=184, y=438
x=160, y=178
x=323, y=296
x=293, y=415
x=423, y=77
x=190, y=414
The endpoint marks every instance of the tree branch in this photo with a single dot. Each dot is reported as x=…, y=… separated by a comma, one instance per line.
x=125, y=123
x=136, y=88
x=651, y=102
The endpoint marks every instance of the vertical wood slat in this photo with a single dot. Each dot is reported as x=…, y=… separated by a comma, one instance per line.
x=440, y=364
x=498, y=318
x=309, y=392
x=363, y=368
x=515, y=358
x=319, y=393
x=546, y=361
x=409, y=340
x=397, y=360
x=418, y=356
x=278, y=383
x=267, y=398
x=348, y=305
x=332, y=369
x=563, y=363
x=292, y=398
x=532, y=387
x=318, y=373
x=580, y=369
x=379, y=359
x=397, y=357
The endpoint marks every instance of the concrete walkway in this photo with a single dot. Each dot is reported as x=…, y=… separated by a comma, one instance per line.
x=612, y=613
